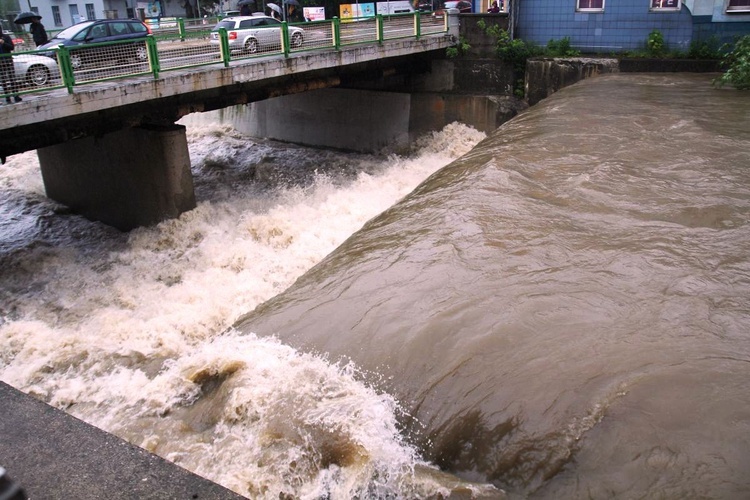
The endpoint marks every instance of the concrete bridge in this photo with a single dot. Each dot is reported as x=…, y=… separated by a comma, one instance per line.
x=112, y=150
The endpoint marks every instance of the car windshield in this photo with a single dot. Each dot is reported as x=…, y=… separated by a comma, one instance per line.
x=72, y=31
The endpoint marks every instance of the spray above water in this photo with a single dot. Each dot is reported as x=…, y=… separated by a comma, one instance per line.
x=131, y=332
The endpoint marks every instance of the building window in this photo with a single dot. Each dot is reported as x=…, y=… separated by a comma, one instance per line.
x=666, y=4
x=56, y=15
x=590, y=5
x=74, y=15
x=90, y=14
x=738, y=6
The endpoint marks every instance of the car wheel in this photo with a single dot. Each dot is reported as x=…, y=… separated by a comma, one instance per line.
x=38, y=75
x=251, y=45
x=297, y=40
x=141, y=53
x=76, y=61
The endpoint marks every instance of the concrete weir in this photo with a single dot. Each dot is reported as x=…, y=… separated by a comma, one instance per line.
x=129, y=178
x=50, y=454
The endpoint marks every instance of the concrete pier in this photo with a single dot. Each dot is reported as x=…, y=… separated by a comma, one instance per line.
x=52, y=455
x=129, y=178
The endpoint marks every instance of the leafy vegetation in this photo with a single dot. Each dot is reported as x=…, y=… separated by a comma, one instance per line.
x=515, y=52
x=737, y=64
x=461, y=48
x=655, y=45
x=705, y=49
x=561, y=48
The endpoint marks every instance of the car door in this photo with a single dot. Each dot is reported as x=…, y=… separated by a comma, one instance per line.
x=269, y=32
x=246, y=29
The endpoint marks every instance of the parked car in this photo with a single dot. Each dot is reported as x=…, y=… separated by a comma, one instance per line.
x=34, y=70
x=463, y=7
x=253, y=33
x=99, y=31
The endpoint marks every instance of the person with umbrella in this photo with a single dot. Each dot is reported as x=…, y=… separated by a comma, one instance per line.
x=274, y=10
x=38, y=33
x=7, y=70
x=294, y=14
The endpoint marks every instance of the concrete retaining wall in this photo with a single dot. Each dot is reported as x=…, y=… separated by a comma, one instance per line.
x=52, y=455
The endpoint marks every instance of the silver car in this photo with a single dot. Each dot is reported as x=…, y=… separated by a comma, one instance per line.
x=35, y=71
x=253, y=33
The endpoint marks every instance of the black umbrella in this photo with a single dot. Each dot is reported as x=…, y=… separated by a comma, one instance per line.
x=291, y=2
x=245, y=2
x=26, y=17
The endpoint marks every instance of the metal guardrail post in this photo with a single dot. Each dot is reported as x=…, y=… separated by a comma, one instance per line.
x=285, y=38
x=379, y=24
x=224, y=44
x=66, y=68
x=181, y=28
x=153, y=55
x=417, y=24
x=336, y=33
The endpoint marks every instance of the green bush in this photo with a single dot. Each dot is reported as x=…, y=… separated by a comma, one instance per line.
x=705, y=49
x=737, y=64
x=655, y=45
x=561, y=48
x=461, y=48
x=515, y=52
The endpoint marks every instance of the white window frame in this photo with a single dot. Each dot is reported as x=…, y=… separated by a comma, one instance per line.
x=589, y=9
x=737, y=8
x=664, y=5
x=57, y=18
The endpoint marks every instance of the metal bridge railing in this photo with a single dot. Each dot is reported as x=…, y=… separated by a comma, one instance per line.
x=191, y=44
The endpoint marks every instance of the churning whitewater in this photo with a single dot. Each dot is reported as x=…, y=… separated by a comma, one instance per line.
x=131, y=332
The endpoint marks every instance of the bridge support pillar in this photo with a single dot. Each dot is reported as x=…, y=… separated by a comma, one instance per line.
x=126, y=179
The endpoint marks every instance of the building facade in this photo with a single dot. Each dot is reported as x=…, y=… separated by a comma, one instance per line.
x=615, y=26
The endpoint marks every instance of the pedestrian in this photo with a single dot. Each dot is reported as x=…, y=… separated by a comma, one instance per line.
x=245, y=10
x=295, y=15
x=38, y=33
x=494, y=9
x=7, y=70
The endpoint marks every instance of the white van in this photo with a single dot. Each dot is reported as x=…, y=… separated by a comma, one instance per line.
x=394, y=7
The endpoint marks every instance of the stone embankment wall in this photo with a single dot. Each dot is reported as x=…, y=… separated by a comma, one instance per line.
x=548, y=75
x=545, y=76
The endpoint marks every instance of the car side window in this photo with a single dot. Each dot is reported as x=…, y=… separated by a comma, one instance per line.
x=137, y=27
x=119, y=29
x=98, y=31
x=247, y=24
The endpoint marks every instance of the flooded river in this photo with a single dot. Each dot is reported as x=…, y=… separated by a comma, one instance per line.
x=558, y=310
